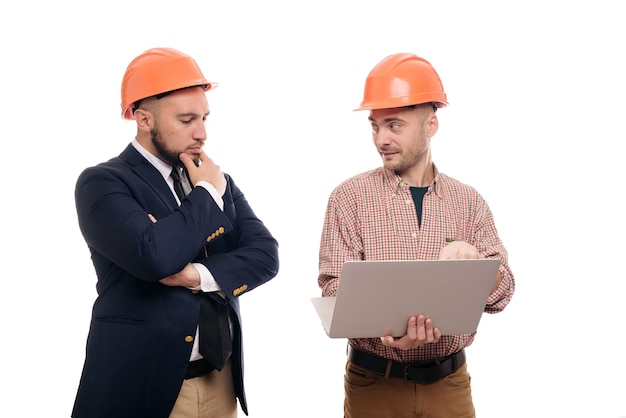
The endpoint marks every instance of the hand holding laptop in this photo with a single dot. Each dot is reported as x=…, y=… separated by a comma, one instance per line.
x=457, y=250
x=376, y=298
x=419, y=331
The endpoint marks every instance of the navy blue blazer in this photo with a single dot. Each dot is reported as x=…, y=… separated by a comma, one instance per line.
x=141, y=332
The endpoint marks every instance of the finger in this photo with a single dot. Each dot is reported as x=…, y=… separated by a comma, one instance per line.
x=411, y=331
x=428, y=327
x=421, y=328
x=202, y=158
x=390, y=341
x=437, y=334
x=152, y=218
x=167, y=281
x=401, y=343
x=187, y=161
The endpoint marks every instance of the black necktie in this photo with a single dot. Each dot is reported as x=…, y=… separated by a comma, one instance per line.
x=178, y=185
x=215, y=343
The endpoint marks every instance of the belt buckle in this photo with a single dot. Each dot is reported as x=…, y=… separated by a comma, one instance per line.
x=411, y=376
x=423, y=375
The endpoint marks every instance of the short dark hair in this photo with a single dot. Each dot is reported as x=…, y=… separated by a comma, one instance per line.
x=162, y=95
x=432, y=104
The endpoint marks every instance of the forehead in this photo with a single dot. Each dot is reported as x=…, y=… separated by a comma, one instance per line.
x=396, y=113
x=191, y=100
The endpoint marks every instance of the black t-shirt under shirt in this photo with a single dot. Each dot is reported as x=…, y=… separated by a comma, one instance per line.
x=418, y=196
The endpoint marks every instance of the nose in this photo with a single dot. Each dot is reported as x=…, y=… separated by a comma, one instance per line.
x=381, y=138
x=199, y=132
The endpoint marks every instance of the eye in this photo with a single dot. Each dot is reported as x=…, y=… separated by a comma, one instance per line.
x=394, y=126
x=374, y=128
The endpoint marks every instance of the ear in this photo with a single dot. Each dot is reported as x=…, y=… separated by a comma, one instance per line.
x=432, y=124
x=144, y=119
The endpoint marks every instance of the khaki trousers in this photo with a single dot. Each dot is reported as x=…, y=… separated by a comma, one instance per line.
x=208, y=396
x=370, y=395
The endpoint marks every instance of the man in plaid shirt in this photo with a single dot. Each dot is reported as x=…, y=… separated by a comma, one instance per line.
x=406, y=210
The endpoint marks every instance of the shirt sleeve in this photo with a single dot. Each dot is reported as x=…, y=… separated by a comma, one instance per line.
x=207, y=281
x=490, y=245
x=213, y=192
x=340, y=240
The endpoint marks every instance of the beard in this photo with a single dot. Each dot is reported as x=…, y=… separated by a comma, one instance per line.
x=166, y=154
x=397, y=167
x=407, y=158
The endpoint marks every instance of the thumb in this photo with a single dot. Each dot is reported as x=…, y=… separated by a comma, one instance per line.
x=189, y=163
x=185, y=159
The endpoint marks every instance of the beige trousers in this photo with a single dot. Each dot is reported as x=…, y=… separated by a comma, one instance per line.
x=208, y=396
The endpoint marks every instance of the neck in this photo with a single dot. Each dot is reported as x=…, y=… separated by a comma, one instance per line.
x=419, y=176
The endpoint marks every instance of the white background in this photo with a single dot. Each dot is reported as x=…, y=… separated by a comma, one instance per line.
x=535, y=123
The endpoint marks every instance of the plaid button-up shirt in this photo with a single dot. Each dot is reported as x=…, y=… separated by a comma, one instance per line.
x=372, y=216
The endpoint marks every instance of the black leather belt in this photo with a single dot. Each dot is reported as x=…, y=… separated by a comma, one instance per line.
x=198, y=368
x=419, y=373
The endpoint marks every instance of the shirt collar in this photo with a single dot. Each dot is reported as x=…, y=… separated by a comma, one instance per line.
x=164, y=168
x=398, y=184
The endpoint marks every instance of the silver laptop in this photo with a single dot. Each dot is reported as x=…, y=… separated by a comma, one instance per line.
x=376, y=298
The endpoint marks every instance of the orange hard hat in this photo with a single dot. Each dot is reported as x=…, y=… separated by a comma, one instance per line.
x=402, y=80
x=156, y=71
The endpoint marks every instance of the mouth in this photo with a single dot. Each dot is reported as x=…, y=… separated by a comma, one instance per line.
x=196, y=149
x=387, y=154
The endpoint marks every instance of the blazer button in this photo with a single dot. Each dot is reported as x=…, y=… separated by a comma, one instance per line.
x=195, y=291
x=188, y=339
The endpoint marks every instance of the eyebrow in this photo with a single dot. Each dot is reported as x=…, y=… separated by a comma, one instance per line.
x=192, y=114
x=387, y=120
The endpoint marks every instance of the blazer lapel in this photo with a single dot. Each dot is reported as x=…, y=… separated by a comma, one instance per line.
x=150, y=175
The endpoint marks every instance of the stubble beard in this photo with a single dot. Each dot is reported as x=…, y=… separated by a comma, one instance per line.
x=164, y=153
x=410, y=155
x=398, y=165
x=407, y=159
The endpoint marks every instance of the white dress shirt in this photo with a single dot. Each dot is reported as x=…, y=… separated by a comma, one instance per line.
x=207, y=281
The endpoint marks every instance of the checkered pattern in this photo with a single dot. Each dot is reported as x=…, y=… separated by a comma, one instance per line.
x=372, y=216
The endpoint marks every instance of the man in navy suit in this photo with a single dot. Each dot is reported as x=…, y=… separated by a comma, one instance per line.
x=159, y=258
